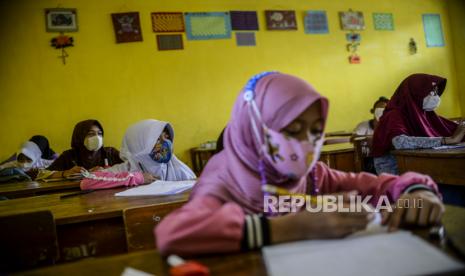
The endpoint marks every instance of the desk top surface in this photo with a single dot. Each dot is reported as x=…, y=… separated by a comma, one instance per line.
x=99, y=204
x=338, y=148
x=435, y=153
x=18, y=188
x=250, y=263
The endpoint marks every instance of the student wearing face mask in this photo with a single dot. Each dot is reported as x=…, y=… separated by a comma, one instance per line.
x=33, y=155
x=147, y=151
x=87, y=152
x=410, y=121
x=275, y=137
x=367, y=128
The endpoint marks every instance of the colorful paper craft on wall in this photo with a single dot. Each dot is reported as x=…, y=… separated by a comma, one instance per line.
x=280, y=20
x=208, y=25
x=167, y=22
x=383, y=21
x=170, y=42
x=352, y=20
x=127, y=27
x=245, y=39
x=433, y=30
x=316, y=22
x=61, y=42
x=354, y=42
x=244, y=20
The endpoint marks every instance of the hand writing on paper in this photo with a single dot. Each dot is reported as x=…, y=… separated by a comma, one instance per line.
x=458, y=135
x=149, y=178
x=418, y=208
x=73, y=170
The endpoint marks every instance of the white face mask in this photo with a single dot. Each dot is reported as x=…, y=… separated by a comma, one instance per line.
x=378, y=113
x=93, y=143
x=26, y=165
x=432, y=101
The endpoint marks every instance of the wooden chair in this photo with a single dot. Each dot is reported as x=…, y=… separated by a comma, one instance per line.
x=139, y=224
x=362, y=146
x=200, y=158
x=27, y=240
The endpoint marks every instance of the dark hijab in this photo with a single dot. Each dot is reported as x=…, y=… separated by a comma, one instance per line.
x=79, y=155
x=404, y=114
x=42, y=143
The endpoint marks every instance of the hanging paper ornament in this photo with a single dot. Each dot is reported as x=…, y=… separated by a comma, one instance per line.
x=412, y=45
x=61, y=42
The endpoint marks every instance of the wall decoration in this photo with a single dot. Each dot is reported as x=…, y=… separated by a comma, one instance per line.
x=167, y=22
x=316, y=22
x=433, y=30
x=61, y=20
x=127, y=27
x=352, y=20
x=245, y=39
x=280, y=20
x=208, y=25
x=412, y=46
x=352, y=47
x=383, y=21
x=61, y=42
x=170, y=42
x=244, y=20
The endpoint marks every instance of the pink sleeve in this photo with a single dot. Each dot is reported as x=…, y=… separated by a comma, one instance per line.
x=105, y=180
x=333, y=181
x=203, y=225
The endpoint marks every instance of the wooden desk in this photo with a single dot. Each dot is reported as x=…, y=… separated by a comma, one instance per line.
x=339, y=156
x=34, y=188
x=90, y=224
x=444, y=166
x=250, y=263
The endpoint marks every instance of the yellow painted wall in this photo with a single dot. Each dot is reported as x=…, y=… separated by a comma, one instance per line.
x=457, y=21
x=194, y=89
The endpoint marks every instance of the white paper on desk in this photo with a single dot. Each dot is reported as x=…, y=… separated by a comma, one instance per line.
x=461, y=145
x=398, y=253
x=159, y=187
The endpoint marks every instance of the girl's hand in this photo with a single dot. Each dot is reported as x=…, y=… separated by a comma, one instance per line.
x=418, y=208
x=457, y=137
x=96, y=169
x=73, y=170
x=149, y=178
x=321, y=225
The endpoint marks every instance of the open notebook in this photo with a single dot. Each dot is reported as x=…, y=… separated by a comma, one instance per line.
x=398, y=253
x=159, y=188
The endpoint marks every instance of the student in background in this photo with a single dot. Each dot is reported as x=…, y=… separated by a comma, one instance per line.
x=33, y=155
x=148, y=155
x=410, y=122
x=274, y=137
x=367, y=128
x=87, y=151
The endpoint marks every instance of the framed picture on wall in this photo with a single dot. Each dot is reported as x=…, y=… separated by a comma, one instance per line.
x=280, y=20
x=127, y=27
x=61, y=20
x=352, y=20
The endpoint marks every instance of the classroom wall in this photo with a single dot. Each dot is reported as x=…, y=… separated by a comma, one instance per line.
x=195, y=88
x=457, y=21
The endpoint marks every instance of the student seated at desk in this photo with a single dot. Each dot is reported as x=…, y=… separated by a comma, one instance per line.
x=274, y=137
x=367, y=128
x=409, y=121
x=87, y=152
x=147, y=151
x=33, y=155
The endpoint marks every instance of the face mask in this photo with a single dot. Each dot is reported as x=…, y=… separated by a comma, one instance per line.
x=93, y=143
x=431, y=102
x=289, y=156
x=162, y=151
x=378, y=113
x=25, y=166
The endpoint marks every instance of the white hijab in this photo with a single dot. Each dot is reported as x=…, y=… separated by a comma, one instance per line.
x=138, y=143
x=31, y=150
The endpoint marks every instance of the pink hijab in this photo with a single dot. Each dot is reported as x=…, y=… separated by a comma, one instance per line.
x=232, y=174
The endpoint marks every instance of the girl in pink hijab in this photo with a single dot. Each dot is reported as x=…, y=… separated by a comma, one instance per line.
x=274, y=137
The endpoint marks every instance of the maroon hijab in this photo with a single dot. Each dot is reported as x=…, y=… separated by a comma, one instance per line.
x=404, y=114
